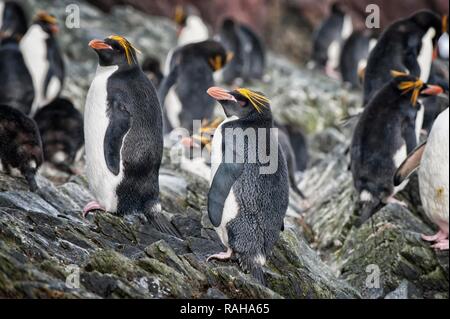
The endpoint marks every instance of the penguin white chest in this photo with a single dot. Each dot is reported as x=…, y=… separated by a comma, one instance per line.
x=102, y=181
x=230, y=208
x=194, y=31
x=2, y=8
x=425, y=57
x=434, y=173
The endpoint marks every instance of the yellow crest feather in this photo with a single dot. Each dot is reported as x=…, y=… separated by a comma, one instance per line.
x=257, y=100
x=46, y=17
x=408, y=86
x=126, y=45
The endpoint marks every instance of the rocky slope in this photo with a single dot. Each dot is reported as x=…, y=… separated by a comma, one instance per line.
x=46, y=246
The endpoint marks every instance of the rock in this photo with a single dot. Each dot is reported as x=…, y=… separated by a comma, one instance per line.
x=405, y=290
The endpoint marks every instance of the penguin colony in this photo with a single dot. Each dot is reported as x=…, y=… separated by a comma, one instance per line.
x=130, y=110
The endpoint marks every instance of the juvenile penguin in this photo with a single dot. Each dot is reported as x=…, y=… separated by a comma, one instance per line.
x=190, y=76
x=407, y=45
x=152, y=68
x=431, y=158
x=123, y=135
x=13, y=20
x=16, y=84
x=20, y=144
x=328, y=39
x=246, y=205
x=384, y=134
x=353, y=59
x=61, y=128
x=43, y=59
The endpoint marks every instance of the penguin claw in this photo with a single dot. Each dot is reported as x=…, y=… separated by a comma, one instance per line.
x=442, y=245
x=90, y=207
x=221, y=256
x=437, y=237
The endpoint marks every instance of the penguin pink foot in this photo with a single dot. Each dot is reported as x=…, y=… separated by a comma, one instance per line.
x=221, y=256
x=438, y=237
x=392, y=200
x=91, y=206
x=442, y=245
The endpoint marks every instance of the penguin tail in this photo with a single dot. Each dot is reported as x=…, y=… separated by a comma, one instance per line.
x=158, y=221
x=253, y=265
x=367, y=209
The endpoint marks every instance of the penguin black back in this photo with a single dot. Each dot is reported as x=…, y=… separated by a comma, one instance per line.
x=254, y=54
x=374, y=156
x=355, y=53
x=13, y=20
x=399, y=48
x=61, y=127
x=192, y=75
x=16, y=84
x=231, y=39
x=20, y=144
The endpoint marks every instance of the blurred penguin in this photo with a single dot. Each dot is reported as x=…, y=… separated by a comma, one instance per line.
x=43, y=59
x=152, y=68
x=13, y=20
x=61, y=128
x=328, y=39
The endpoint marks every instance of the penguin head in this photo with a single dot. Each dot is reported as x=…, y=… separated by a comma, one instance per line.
x=428, y=22
x=115, y=50
x=182, y=14
x=412, y=87
x=337, y=9
x=212, y=51
x=47, y=22
x=243, y=103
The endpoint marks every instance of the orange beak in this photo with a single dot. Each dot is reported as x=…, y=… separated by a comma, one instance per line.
x=433, y=90
x=220, y=94
x=99, y=45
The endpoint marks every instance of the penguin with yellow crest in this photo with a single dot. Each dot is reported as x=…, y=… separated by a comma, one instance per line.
x=123, y=135
x=383, y=137
x=248, y=196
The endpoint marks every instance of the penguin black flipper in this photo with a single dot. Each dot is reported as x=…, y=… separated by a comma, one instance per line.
x=410, y=165
x=226, y=175
x=167, y=84
x=56, y=64
x=409, y=131
x=119, y=124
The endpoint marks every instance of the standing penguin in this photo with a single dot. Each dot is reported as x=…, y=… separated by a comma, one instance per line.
x=382, y=139
x=16, y=84
x=191, y=75
x=43, y=59
x=328, y=39
x=61, y=128
x=247, y=206
x=254, y=54
x=407, y=45
x=432, y=158
x=123, y=135
x=20, y=144
x=152, y=69
x=353, y=59
x=13, y=20
x=191, y=27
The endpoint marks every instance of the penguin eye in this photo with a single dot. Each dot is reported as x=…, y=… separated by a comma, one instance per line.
x=243, y=103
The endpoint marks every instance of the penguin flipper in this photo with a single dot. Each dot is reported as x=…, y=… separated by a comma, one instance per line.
x=166, y=84
x=409, y=165
x=226, y=175
x=119, y=124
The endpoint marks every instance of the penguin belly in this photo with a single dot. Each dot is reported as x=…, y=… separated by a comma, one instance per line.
x=195, y=31
x=173, y=108
x=434, y=173
x=34, y=50
x=102, y=181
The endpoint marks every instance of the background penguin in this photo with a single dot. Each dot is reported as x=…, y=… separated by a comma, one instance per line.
x=123, y=135
x=61, y=128
x=353, y=58
x=152, y=68
x=191, y=75
x=246, y=207
x=407, y=46
x=432, y=157
x=13, y=20
x=20, y=144
x=43, y=59
x=16, y=84
x=254, y=54
x=191, y=28
x=328, y=39
x=375, y=157
x=231, y=38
